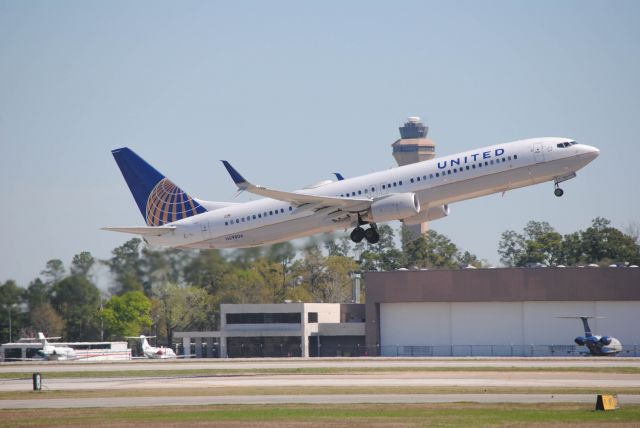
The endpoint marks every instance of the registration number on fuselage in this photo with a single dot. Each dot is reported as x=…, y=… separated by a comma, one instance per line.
x=234, y=237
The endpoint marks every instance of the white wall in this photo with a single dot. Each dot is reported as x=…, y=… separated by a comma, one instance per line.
x=504, y=323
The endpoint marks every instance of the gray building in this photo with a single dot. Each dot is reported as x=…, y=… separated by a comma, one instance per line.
x=498, y=311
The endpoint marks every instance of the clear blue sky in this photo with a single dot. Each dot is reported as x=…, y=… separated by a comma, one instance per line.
x=292, y=91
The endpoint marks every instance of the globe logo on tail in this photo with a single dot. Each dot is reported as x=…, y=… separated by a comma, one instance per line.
x=168, y=203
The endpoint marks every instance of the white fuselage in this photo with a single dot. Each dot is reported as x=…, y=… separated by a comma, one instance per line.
x=435, y=182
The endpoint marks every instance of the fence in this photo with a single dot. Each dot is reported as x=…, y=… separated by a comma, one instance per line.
x=426, y=351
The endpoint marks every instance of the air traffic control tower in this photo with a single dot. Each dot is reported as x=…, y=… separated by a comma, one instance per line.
x=412, y=147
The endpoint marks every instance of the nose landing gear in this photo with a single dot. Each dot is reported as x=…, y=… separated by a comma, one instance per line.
x=558, y=191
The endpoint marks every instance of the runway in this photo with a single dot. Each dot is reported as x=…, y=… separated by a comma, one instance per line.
x=403, y=379
x=446, y=373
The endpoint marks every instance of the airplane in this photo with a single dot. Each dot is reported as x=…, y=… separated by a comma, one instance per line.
x=52, y=352
x=153, y=352
x=412, y=193
x=597, y=345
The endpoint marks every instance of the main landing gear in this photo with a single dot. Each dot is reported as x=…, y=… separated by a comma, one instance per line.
x=371, y=234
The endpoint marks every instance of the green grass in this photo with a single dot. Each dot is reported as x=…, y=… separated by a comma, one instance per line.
x=372, y=415
x=303, y=390
x=300, y=371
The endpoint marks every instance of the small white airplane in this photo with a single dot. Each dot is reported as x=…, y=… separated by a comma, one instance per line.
x=55, y=353
x=596, y=344
x=153, y=352
x=413, y=194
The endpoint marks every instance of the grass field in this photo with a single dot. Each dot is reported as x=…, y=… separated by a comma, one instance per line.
x=370, y=415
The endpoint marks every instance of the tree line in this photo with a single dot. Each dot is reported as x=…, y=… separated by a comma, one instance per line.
x=157, y=292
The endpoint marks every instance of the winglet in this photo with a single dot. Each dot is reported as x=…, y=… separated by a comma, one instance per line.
x=235, y=176
x=338, y=176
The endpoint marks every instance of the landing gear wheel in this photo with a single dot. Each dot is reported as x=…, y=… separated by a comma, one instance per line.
x=357, y=235
x=371, y=235
x=558, y=192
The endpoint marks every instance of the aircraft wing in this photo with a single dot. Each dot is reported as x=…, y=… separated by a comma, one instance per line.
x=353, y=205
x=142, y=230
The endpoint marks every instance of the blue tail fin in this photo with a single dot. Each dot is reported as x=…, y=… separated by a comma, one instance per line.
x=159, y=200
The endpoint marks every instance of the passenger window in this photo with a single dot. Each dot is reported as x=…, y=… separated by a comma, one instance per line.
x=504, y=160
x=400, y=182
x=515, y=156
x=486, y=163
x=467, y=167
x=473, y=166
x=491, y=161
x=480, y=165
x=509, y=157
x=359, y=192
x=430, y=176
x=373, y=189
x=353, y=193
x=290, y=208
x=437, y=174
x=383, y=186
x=411, y=180
x=226, y=223
x=282, y=210
x=455, y=170
x=394, y=184
x=417, y=179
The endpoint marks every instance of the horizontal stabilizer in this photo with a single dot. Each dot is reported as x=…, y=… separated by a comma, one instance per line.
x=142, y=230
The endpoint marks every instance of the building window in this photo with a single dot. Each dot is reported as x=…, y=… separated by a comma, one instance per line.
x=312, y=317
x=265, y=318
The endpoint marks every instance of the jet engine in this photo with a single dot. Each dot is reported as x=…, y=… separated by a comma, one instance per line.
x=605, y=340
x=430, y=214
x=580, y=341
x=394, y=207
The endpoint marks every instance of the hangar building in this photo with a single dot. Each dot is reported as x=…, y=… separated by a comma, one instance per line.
x=511, y=311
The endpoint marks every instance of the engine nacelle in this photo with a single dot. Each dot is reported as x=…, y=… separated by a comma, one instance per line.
x=430, y=214
x=605, y=340
x=394, y=207
x=580, y=341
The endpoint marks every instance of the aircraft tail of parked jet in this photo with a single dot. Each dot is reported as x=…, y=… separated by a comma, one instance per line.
x=596, y=344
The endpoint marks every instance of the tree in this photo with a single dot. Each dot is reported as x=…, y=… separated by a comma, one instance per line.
x=336, y=288
x=127, y=267
x=539, y=243
x=127, y=315
x=10, y=297
x=182, y=307
x=45, y=318
x=54, y=271
x=432, y=250
x=382, y=256
x=37, y=294
x=82, y=264
x=601, y=242
x=206, y=270
x=77, y=299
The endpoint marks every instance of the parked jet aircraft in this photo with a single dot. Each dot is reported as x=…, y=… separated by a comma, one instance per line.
x=597, y=345
x=52, y=352
x=154, y=352
x=413, y=194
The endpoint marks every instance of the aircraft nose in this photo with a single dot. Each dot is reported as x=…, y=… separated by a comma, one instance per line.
x=592, y=152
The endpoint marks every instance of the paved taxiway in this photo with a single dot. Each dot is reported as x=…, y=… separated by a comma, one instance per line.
x=401, y=379
x=498, y=376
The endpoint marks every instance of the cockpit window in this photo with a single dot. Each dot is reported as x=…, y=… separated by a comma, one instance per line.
x=566, y=144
